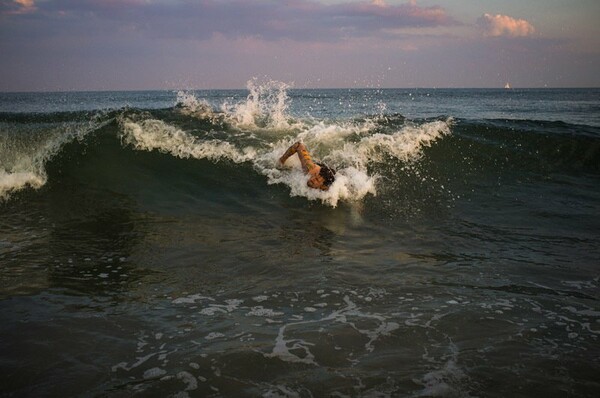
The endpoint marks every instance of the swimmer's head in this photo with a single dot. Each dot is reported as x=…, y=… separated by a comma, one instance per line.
x=327, y=173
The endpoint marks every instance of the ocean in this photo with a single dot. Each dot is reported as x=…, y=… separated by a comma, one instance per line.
x=150, y=246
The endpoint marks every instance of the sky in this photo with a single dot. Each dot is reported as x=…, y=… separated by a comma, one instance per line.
x=64, y=45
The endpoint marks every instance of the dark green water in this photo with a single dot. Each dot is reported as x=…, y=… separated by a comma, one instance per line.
x=149, y=246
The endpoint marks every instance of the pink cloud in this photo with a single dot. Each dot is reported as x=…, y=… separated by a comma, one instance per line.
x=271, y=20
x=408, y=14
x=503, y=25
x=14, y=7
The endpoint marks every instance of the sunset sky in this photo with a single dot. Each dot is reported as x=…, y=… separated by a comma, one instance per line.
x=55, y=45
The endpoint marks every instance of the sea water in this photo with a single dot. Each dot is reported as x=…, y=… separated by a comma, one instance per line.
x=150, y=245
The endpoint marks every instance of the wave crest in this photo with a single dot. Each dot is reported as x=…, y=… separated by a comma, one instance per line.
x=24, y=152
x=405, y=145
x=152, y=134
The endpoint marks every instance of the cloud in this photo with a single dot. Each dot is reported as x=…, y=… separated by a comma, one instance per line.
x=299, y=20
x=503, y=25
x=15, y=7
x=378, y=13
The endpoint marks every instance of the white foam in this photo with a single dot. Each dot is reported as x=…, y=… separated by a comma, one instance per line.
x=262, y=312
x=154, y=373
x=15, y=181
x=191, y=299
x=351, y=183
x=229, y=306
x=586, y=312
x=406, y=144
x=211, y=310
x=336, y=145
x=280, y=391
x=152, y=134
x=140, y=360
x=23, y=166
x=214, y=335
x=581, y=284
x=445, y=381
x=188, y=379
x=284, y=348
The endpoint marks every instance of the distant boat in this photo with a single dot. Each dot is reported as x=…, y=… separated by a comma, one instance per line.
x=507, y=86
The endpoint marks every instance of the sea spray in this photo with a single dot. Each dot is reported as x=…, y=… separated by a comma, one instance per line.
x=265, y=107
x=188, y=104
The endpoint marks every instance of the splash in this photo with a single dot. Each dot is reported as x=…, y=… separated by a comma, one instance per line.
x=188, y=104
x=351, y=149
x=23, y=165
x=265, y=107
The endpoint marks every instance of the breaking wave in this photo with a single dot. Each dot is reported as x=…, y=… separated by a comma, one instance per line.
x=252, y=133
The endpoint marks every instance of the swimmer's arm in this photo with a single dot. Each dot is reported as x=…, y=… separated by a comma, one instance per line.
x=291, y=150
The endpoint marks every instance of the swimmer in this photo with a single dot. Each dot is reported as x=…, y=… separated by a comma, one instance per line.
x=321, y=176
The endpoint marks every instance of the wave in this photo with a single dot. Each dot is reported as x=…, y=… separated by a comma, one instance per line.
x=368, y=152
x=530, y=145
x=349, y=148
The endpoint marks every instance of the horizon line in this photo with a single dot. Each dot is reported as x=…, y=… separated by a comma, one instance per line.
x=298, y=89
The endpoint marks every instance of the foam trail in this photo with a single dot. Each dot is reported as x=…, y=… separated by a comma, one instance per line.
x=284, y=347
